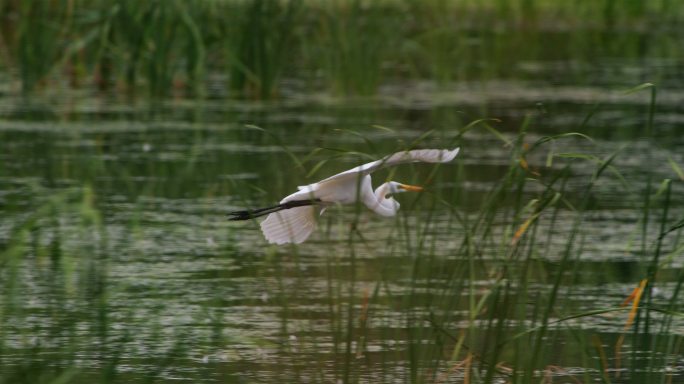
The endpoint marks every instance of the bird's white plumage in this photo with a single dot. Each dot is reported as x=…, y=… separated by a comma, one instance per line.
x=294, y=225
x=417, y=155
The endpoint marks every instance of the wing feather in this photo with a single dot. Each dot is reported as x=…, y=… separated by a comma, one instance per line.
x=416, y=155
x=292, y=225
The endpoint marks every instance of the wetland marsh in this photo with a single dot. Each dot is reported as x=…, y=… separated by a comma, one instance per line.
x=118, y=263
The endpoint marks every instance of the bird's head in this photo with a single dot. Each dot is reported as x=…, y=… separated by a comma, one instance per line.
x=395, y=188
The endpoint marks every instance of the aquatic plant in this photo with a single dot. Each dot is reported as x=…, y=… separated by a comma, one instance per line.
x=264, y=48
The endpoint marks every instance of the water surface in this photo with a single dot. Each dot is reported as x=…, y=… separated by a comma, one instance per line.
x=128, y=268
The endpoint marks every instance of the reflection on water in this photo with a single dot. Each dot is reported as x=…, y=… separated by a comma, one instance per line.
x=147, y=272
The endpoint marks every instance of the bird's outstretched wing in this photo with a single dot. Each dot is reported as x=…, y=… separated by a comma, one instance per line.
x=289, y=226
x=294, y=225
x=414, y=156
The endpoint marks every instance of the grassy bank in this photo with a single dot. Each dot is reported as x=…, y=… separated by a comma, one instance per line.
x=263, y=49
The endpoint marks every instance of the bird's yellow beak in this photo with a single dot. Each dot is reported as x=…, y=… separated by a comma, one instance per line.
x=411, y=188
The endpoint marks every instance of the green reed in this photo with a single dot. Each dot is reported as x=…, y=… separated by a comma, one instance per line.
x=261, y=46
x=441, y=291
x=462, y=310
x=256, y=48
x=452, y=327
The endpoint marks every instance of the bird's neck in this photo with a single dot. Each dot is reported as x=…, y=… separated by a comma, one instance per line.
x=378, y=202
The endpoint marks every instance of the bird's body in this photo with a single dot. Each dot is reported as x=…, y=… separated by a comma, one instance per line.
x=294, y=219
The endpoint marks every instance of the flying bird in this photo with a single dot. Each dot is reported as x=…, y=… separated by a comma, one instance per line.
x=293, y=220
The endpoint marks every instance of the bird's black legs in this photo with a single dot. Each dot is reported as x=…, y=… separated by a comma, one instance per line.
x=250, y=214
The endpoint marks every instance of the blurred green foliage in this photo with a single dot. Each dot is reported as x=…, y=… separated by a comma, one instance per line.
x=247, y=48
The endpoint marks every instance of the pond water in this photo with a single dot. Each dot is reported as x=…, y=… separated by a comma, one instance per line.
x=119, y=263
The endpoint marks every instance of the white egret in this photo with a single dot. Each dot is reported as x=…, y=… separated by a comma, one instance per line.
x=293, y=220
